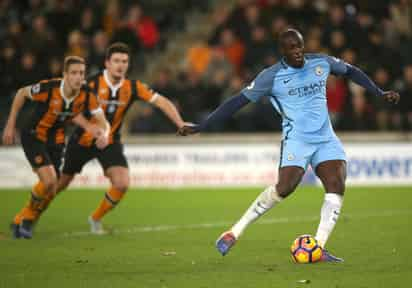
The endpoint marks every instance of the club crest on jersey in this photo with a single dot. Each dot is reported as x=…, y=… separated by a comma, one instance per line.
x=38, y=159
x=318, y=71
x=291, y=157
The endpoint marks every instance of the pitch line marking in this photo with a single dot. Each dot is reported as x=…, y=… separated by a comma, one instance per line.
x=223, y=224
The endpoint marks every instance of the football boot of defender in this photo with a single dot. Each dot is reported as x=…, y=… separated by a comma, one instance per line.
x=26, y=229
x=96, y=227
x=14, y=229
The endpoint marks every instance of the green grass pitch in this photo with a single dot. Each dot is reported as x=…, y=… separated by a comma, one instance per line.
x=165, y=238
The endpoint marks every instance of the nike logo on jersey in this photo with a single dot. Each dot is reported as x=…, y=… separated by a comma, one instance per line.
x=286, y=81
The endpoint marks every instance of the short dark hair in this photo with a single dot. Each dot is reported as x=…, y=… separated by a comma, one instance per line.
x=290, y=32
x=117, y=47
x=70, y=60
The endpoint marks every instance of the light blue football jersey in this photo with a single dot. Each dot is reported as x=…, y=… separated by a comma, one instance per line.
x=299, y=95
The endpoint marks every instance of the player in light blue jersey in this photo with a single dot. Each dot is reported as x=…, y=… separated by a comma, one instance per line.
x=296, y=87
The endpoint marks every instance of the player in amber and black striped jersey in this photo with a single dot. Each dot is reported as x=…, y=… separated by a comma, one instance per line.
x=116, y=93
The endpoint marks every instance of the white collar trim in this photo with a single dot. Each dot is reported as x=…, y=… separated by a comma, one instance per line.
x=67, y=101
x=112, y=87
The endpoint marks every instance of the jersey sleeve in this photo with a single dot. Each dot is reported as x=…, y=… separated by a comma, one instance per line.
x=39, y=92
x=260, y=86
x=341, y=68
x=145, y=93
x=93, y=106
x=338, y=67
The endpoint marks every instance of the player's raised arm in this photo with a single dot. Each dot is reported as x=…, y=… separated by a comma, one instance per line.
x=18, y=102
x=339, y=67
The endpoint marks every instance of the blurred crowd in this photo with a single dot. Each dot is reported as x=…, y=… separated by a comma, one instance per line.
x=35, y=35
x=374, y=35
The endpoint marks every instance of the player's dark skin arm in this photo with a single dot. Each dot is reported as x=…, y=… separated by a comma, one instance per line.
x=391, y=96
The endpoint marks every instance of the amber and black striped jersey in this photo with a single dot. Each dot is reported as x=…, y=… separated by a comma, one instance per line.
x=115, y=100
x=53, y=110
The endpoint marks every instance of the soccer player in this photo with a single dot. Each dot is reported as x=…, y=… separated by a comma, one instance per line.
x=56, y=101
x=296, y=87
x=116, y=94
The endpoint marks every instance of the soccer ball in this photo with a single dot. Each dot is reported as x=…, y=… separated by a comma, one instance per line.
x=305, y=249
